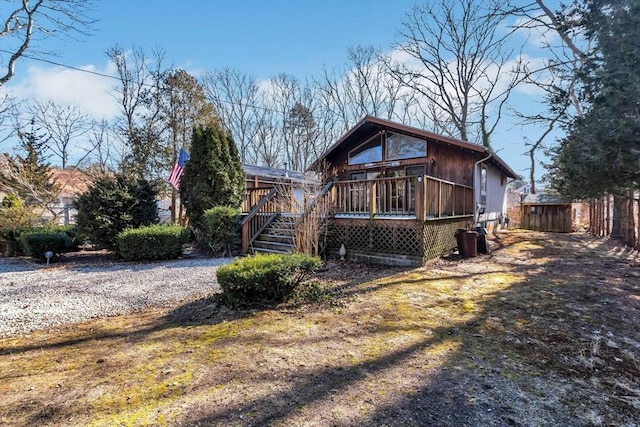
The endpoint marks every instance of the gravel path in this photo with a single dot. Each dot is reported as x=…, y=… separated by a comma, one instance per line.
x=34, y=296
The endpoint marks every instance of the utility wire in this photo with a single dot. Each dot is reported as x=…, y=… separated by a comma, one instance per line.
x=47, y=61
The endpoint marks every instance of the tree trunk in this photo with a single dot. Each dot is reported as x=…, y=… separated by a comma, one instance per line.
x=618, y=217
x=173, y=206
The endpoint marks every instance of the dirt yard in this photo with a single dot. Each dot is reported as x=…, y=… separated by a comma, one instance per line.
x=543, y=331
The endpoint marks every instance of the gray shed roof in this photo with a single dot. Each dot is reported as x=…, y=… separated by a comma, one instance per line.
x=276, y=173
x=545, y=199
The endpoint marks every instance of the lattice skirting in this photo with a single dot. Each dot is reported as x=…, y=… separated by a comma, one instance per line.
x=408, y=242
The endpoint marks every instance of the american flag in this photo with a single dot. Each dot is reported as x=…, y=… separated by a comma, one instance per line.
x=178, y=168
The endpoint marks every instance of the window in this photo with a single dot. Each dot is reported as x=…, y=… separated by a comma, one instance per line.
x=415, y=170
x=483, y=186
x=369, y=152
x=360, y=176
x=405, y=147
x=358, y=192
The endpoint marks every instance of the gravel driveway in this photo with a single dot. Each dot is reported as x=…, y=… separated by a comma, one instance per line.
x=34, y=296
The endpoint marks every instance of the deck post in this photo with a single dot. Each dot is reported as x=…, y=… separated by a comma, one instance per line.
x=245, y=237
x=440, y=198
x=372, y=197
x=420, y=198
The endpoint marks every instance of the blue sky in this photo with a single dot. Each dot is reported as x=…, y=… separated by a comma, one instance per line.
x=262, y=38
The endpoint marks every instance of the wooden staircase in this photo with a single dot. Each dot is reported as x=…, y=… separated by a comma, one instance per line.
x=277, y=237
x=267, y=229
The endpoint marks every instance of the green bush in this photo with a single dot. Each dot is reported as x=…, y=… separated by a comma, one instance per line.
x=70, y=230
x=266, y=278
x=151, y=243
x=14, y=233
x=221, y=228
x=114, y=204
x=35, y=244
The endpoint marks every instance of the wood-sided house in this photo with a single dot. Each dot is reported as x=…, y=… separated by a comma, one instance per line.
x=400, y=193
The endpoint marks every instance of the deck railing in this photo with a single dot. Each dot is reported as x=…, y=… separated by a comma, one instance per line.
x=259, y=217
x=424, y=197
x=252, y=196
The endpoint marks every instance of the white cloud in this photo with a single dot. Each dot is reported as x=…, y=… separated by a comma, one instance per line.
x=91, y=92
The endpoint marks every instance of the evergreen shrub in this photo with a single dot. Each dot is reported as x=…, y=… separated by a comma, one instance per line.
x=151, y=243
x=113, y=204
x=265, y=278
x=35, y=244
x=213, y=175
x=222, y=228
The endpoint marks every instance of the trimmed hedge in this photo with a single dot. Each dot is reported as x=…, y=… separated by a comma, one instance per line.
x=14, y=233
x=264, y=278
x=36, y=244
x=151, y=243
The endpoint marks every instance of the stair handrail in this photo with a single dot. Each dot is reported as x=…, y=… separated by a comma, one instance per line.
x=250, y=227
x=322, y=194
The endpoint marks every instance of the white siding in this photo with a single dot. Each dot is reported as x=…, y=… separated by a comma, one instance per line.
x=496, y=206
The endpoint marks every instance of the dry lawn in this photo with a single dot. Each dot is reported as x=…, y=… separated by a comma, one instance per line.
x=543, y=331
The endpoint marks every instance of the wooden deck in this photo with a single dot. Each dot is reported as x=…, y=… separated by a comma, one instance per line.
x=419, y=197
x=402, y=208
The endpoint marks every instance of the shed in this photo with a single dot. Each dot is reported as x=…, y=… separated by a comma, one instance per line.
x=546, y=212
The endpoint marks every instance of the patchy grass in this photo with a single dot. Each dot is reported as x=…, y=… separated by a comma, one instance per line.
x=543, y=331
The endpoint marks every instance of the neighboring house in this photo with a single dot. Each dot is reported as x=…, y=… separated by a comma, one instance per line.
x=400, y=193
x=548, y=212
x=71, y=183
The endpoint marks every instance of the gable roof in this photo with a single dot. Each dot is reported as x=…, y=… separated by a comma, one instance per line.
x=71, y=182
x=369, y=124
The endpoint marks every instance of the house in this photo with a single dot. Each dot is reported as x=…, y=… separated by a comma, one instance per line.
x=400, y=193
x=70, y=183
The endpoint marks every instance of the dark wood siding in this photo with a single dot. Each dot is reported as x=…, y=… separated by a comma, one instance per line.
x=443, y=161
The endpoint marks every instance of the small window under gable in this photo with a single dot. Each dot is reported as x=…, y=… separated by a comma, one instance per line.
x=401, y=146
x=368, y=152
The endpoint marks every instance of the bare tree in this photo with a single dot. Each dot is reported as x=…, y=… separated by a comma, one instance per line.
x=29, y=21
x=294, y=104
x=455, y=54
x=557, y=77
x=63, y=123
x=236, y=98
x=8, y=109
x=141, y=125
x=105, y=153
x=268, y=147
x=364, y=86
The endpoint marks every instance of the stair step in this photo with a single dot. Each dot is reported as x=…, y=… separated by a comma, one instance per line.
x=271, y=251
x=275, y=242
x=277, y=237
x=263, y=243
x=288, y=233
